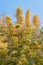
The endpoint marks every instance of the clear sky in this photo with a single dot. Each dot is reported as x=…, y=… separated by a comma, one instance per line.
x=8, y=7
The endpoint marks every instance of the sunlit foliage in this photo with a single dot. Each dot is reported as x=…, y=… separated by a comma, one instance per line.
x=21, y=43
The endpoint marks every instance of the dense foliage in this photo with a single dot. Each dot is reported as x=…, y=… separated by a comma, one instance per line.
x=21, y=43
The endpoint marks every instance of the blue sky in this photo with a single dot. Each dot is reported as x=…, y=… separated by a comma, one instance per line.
x=8, y=7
